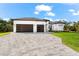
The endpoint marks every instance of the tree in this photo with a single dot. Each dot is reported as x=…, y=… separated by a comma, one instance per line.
x=67, y=26
x=6, y=26
x=10, y=25
x=76, y=25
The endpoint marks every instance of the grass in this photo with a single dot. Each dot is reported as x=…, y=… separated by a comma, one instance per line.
x=70, y=39
x=3, y=33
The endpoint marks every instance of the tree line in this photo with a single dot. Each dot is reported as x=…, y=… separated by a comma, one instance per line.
x=71, y=26
x=6, y=26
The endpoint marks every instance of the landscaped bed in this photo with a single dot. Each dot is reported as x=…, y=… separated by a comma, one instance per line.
x=3, y=33
x=70, y=39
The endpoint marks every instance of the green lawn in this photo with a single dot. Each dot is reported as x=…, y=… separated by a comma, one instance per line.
x=3, y=33
x=70, y=39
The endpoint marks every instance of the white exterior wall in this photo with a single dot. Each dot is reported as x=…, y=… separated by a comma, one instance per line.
x=14, y=28
x=47, y=26
x=58, y=27
x=34, y=28
x=35, y=23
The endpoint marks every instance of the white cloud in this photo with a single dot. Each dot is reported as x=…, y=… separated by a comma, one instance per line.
x=71, y=10
x=43, y=8
x=50, y=14
x=75, y=13
x=36, y=12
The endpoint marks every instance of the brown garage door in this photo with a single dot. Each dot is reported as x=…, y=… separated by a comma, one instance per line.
x=40, y=28
x=24, y=28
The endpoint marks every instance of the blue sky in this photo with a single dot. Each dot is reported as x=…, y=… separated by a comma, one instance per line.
x=52, y=11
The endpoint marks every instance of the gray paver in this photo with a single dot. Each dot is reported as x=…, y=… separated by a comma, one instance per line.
x=33, y=44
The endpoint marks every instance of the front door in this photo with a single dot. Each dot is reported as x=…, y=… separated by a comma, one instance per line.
x=40, y=28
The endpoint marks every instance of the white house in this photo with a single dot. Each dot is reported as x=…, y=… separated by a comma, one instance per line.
x=30, y=25
x=57, y=26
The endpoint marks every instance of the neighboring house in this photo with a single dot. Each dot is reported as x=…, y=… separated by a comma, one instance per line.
x=57, y=26
x=30, y=25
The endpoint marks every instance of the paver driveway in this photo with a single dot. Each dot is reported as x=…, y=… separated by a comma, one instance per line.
x=33, y=44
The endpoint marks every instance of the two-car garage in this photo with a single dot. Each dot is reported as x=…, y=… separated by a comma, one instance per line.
x=28, y=28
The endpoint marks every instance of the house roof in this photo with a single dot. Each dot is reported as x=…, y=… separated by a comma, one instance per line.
x=57, y=22
x=30, y=19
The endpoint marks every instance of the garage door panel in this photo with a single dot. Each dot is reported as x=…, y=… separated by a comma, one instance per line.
x=24, y=28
